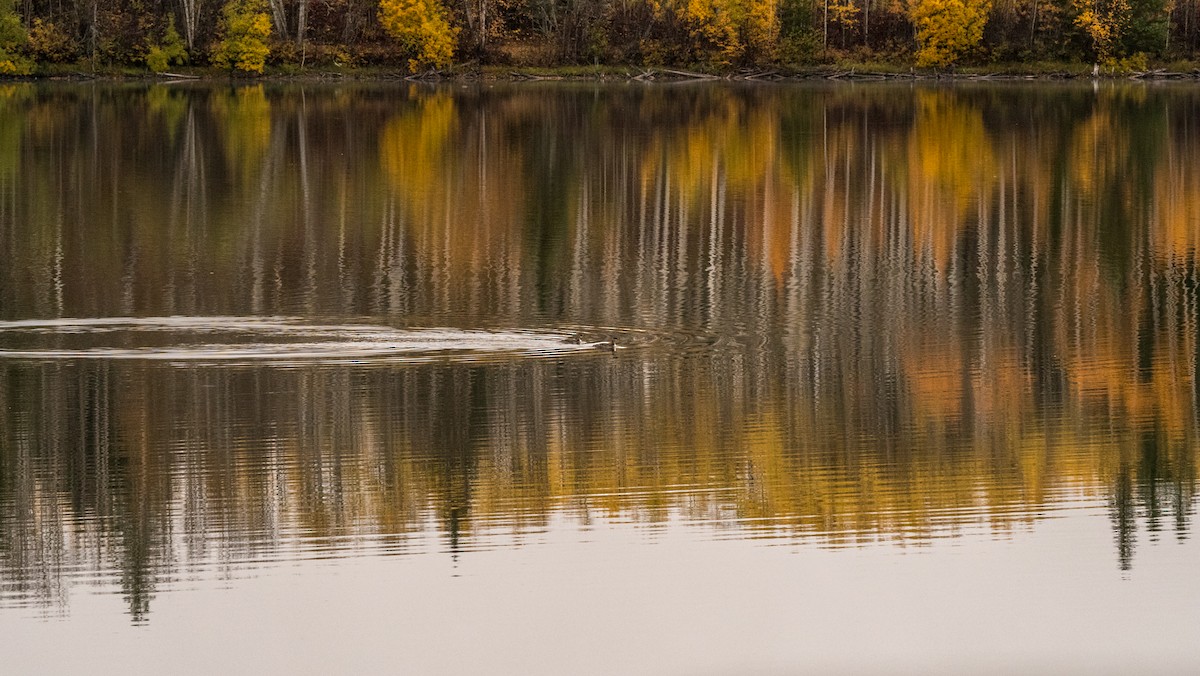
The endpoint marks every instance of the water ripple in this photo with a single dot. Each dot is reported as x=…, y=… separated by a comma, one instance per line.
x=293, y=339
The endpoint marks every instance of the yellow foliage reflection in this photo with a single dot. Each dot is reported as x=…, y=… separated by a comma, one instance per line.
x=878, y=314
x=246, y=116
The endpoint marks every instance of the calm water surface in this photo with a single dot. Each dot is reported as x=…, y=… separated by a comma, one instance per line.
x=323, y=379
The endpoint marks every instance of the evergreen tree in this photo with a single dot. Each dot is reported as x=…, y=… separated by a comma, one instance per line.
x=1148, y=26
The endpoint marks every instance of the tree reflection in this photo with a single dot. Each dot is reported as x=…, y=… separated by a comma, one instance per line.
x=937, y=310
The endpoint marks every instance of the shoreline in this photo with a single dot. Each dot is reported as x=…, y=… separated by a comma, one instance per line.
x=472, y=74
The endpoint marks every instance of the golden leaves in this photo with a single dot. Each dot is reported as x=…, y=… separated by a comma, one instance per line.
x=1104, y=21
x=246, y=117
x=949, y=157
x=947, y=29
x=423, y=28
x=245, y=30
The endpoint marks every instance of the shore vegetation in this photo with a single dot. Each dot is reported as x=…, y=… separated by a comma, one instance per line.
x=575, y=37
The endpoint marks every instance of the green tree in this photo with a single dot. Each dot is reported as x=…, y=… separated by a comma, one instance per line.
x=421, y=27
x=1149, y=26
x=12, y=38
x=245, y=28
x=170, y=51
x=946, y=29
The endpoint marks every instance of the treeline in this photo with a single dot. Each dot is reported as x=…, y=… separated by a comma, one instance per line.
x=248, y=35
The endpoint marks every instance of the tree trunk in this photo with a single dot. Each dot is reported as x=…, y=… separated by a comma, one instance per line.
x=483, y=12
x=1033, y=26
x=279, y=19
x=866, y=22
x=825, y=29
x=302, y=23
x=93, y=36
x=189, y=11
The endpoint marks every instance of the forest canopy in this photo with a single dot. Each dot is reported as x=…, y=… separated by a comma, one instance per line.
x=248, y=35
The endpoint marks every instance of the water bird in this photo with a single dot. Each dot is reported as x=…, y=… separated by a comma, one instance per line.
x=609, y=345
x=573, y=339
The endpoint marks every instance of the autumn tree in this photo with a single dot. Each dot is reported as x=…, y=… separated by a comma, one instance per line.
x=760, y=30
x=245, y=28
x=1103, y=22
x=712, y=30
x=716, y=33
x=171, y=50
x=844, y=14
x=422, y=28
x=49, y=43
x=946, y=29
x=12, y=38
x=1116, y=28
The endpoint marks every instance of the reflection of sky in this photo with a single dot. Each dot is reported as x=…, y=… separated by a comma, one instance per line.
x=620, y=599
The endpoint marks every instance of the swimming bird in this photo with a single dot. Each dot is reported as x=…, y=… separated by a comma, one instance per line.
x=609, y=345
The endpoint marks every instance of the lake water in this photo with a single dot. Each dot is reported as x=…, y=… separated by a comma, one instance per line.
x=614, y=379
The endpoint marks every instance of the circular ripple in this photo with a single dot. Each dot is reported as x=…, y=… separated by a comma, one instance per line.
x=277, y=339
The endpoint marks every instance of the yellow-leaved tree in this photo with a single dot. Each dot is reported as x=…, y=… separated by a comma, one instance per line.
x=1104, y=22
x=946, y=29
x=423, y=28
x=12, y=39
x=760, y=30
x=245, y=28
x=160, y=55
x=713, y=32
